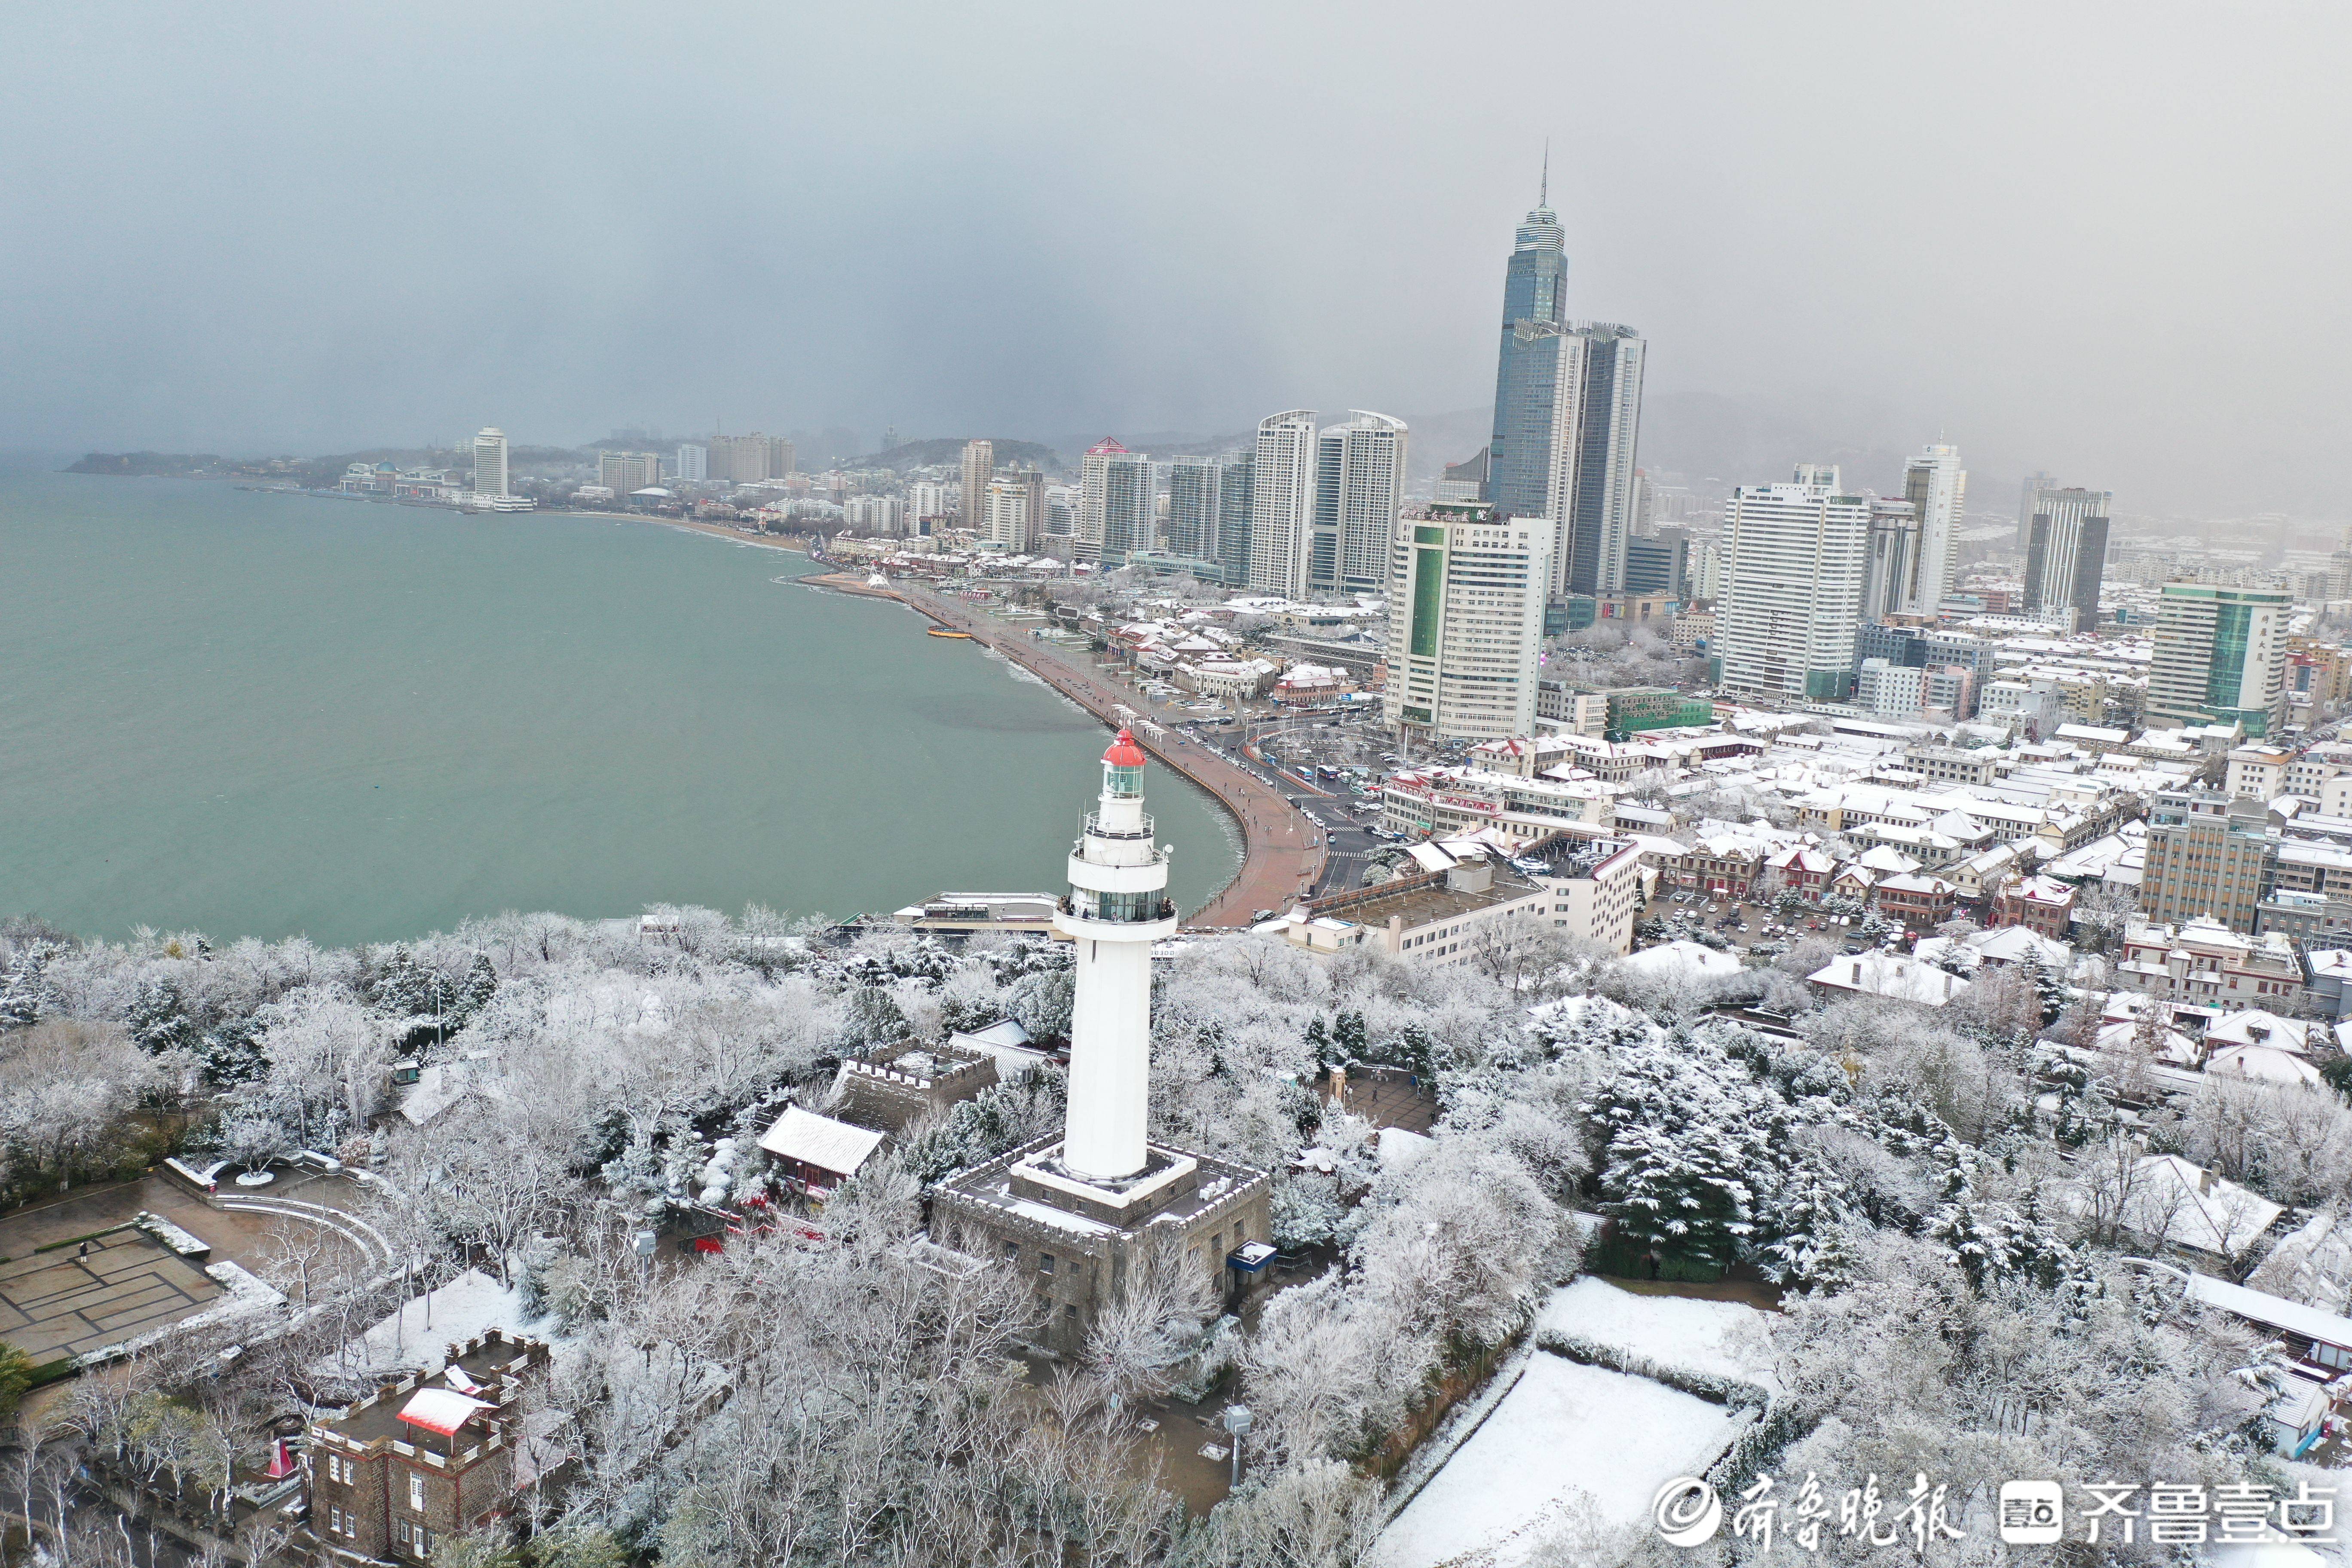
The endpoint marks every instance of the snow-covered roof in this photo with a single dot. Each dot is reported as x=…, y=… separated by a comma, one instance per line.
x=2265, y=1064
x=1682, y=957
x=1902, y=978
x=2191, y=1207
x=2122, y=1040
x=442, y=1410
x=2254, y=1027
x=2015, y=944
x=820, y=1141
x=2272, y=1312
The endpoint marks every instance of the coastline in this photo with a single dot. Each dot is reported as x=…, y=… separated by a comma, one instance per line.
x=1282, y=849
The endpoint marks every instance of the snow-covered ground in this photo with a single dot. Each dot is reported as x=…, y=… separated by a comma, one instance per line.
x=1568, y=1439
x=1722, y=1339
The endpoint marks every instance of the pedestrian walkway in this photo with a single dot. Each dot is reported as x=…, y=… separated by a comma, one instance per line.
x=87, y=1296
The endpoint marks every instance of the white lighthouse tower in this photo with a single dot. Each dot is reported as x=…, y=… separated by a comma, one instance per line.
x=1117, y=909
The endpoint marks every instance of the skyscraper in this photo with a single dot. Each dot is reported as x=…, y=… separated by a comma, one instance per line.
x=2029, y=502
x=1115, y=504
x=1359, y=490
x=1793, y=588
x=1193, y=493
x=1935, y=483
x=2220, y=657
x=1235, y=472
x=1282, y=504
x=1891, y=569
x=490, y=462
x=2067, y=554
x=979, y=464
x=1568, y=411
x=1466, y=590
x=693, y=462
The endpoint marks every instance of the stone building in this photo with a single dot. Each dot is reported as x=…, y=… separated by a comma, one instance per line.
x=425, y=1458
x=896, y=1086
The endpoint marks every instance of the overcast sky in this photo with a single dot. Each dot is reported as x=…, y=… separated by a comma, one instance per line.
x=2109, y=240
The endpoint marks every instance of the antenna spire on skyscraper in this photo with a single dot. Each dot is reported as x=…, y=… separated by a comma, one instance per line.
x=1543, y=191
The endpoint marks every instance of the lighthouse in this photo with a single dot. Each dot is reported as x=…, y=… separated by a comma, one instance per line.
x=1117, y=907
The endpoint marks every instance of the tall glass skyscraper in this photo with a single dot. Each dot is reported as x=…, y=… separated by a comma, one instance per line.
x=1568, y=411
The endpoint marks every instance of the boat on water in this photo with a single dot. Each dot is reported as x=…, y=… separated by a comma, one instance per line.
x=945, y=632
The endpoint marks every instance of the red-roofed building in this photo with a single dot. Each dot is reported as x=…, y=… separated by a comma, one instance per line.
x=2042, y=905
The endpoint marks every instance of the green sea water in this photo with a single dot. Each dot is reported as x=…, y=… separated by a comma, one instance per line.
x=259, y=714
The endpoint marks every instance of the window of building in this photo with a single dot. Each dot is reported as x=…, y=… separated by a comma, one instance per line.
x=335, y=1521
x=1045, y=1263
x=404, y=1533
x=417, y=1493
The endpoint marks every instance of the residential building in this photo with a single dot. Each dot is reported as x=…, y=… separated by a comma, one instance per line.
x=1282, y=504
x=2042, y=905
x=1891, y=976
x=2200, y=962
x=1014, y=515
x=2066, y=555
x=1360, y=479
x=1192, y=495
x=1467, y=899
x=874, y=514
x=693, y=462
x=1791, y=602
x=1466, y=621
x=928, y=506
x=2030, y=502
x=2260, y=772
x=422, y=1461
x=490, y=462
x=1968, y=660
x=1921, y=902
x=1236, y=490
x=979, y=468
x=628, y=472
x=748, y=459
x=2209, y=856
x=1934, y=484
x=2220, y=658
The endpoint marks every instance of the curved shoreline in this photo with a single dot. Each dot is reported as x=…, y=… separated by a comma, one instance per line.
x=1282, y=850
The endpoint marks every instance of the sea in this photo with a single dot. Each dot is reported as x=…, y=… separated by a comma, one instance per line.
x=253, y=713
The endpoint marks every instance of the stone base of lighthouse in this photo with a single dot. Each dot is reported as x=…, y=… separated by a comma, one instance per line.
x=1073, y=1239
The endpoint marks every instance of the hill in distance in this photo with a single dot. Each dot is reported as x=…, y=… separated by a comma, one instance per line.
x=948, y=451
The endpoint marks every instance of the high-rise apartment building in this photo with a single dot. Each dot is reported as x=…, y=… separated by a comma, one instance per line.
x=750, y=459
x=628, y=472
x=1192, y=495
x=2067, y=554
x=490, y=462
x=1467, y=592
x=693, y=462
x=1891, y=567
x=1115, y=504
x=1568, y=411
x=1658, y=567
x=1791, y=599
x=1359, y=491
x=926, y=506
x=1237, y=473
x=2220, y=657
x=978, y=465
x=2208, y=854
x=1282, y=504
x=1016, y=511
x=1935, y=484
x=1466, y=480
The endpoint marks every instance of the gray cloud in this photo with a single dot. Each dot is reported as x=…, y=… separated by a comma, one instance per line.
x=2105, y=239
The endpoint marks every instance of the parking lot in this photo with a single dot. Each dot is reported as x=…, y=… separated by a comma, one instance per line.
x=1752, y=929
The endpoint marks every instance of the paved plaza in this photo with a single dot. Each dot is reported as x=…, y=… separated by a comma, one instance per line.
x=62, y=1303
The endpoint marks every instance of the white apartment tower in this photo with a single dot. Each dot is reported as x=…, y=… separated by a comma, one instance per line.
x=1117, y=909
x=1359, y=491
x=1014, y=514
x=1282, y=504
x=1116, y=504
x=490, y=462
x=2220, y=657
x=1935, y=484
x=1792, y=592
x=1192, y=495
x=1467, y=590
x=693, y=462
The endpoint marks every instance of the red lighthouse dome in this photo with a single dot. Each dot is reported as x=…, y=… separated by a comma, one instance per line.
x=1124, y=753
